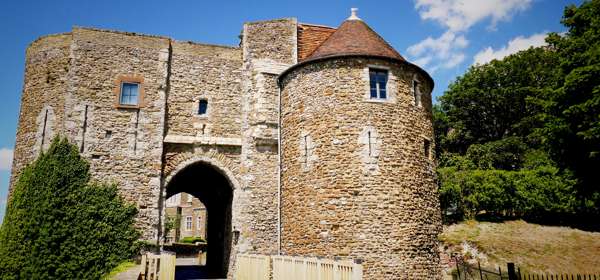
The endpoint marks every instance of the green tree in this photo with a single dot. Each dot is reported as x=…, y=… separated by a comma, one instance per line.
x=490, y=101
x=571, y=115
x=58, y=225
x=491, y=149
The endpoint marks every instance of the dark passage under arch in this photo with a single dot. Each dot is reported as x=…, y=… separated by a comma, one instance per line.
x=214, y=190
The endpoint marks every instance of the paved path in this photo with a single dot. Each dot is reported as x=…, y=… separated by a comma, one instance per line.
x=186, y=269
x=130, y=274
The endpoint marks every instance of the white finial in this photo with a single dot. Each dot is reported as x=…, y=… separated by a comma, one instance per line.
x=353, y=16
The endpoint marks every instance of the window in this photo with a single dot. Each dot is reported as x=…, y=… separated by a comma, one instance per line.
x=199, y=225
x=378, y=82
x=416, y=93
x=188, y=223
x=129, y=94
x=202, y=107
x=426, y=147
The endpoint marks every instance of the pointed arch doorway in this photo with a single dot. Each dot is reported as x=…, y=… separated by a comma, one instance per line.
x=214, y=188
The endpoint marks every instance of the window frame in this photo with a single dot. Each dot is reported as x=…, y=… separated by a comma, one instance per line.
x=137, y=96
x=376, y=71
x=118, y=90
x=198, y=220
x=391, y=89
x=190, y=220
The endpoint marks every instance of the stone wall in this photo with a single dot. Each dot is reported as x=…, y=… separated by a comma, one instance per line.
x=43, y=100
x=124, y=145
x=377, y=203
x=269, y=47
x=204, y=72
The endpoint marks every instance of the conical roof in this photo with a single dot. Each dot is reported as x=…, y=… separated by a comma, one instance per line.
x=354, y=37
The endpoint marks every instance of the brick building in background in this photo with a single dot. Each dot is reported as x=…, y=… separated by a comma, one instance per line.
x=189, y=215
x=304, y=139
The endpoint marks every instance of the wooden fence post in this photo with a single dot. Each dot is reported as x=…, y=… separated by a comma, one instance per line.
x=357, y=271
x=167, y=266
x=512, y=275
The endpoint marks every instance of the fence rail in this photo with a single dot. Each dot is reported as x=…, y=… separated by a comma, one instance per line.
x=466, y=271
x=535, y=276
x=157, y=267
x=253, y=267
x=257, y=267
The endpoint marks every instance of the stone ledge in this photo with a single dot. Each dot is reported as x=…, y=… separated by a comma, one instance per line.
x=182, y=139
x=269, y=66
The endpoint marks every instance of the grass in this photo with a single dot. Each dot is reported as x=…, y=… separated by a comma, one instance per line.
x=532, y=247
x=122, y=267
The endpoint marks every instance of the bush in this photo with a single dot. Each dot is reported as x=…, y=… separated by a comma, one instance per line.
x=192, y=239
x=528, y=193
x=59, y=226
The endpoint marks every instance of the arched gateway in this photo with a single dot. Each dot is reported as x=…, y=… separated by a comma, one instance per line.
x=214, y=187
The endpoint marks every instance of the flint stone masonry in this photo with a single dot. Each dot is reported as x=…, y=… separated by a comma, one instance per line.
x=382, y=207
x=344, y=175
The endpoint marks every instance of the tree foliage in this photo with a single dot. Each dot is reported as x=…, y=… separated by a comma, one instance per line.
x=58, y=225
x=571, y=115
x=521, y=136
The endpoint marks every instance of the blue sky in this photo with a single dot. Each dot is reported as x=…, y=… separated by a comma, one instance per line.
x=444, y=36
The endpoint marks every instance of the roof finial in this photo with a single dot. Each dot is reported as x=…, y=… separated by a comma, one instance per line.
x=353, y=16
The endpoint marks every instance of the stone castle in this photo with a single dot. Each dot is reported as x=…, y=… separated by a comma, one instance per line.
x=303, y=140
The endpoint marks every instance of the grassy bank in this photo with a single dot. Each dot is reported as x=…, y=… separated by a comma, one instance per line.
x=533, y=247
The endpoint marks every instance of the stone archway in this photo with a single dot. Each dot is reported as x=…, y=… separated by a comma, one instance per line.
x=214, y=186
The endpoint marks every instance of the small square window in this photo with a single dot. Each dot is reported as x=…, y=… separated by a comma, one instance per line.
x=378, y=83
x=129, y=94
x=202, y=107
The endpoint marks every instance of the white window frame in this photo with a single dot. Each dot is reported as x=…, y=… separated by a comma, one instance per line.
x=189, y=223
x=390, y=87
x=378, y=89
x=121, y=94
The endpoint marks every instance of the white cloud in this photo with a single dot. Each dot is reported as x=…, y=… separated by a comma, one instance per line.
x=515, y=45
x=6, y=156
x=460, y=15
x=457, y=16
x=445, y=51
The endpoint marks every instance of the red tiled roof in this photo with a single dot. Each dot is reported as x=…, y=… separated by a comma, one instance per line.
x=354, y=37
x=310, y=37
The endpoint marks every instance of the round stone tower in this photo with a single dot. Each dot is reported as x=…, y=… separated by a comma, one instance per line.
x=358, y=174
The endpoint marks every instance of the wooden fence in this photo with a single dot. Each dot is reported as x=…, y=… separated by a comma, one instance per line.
x=253, y=267
x=535, y=276
x=256, y=267
x=157, y=267
x=466, y=271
